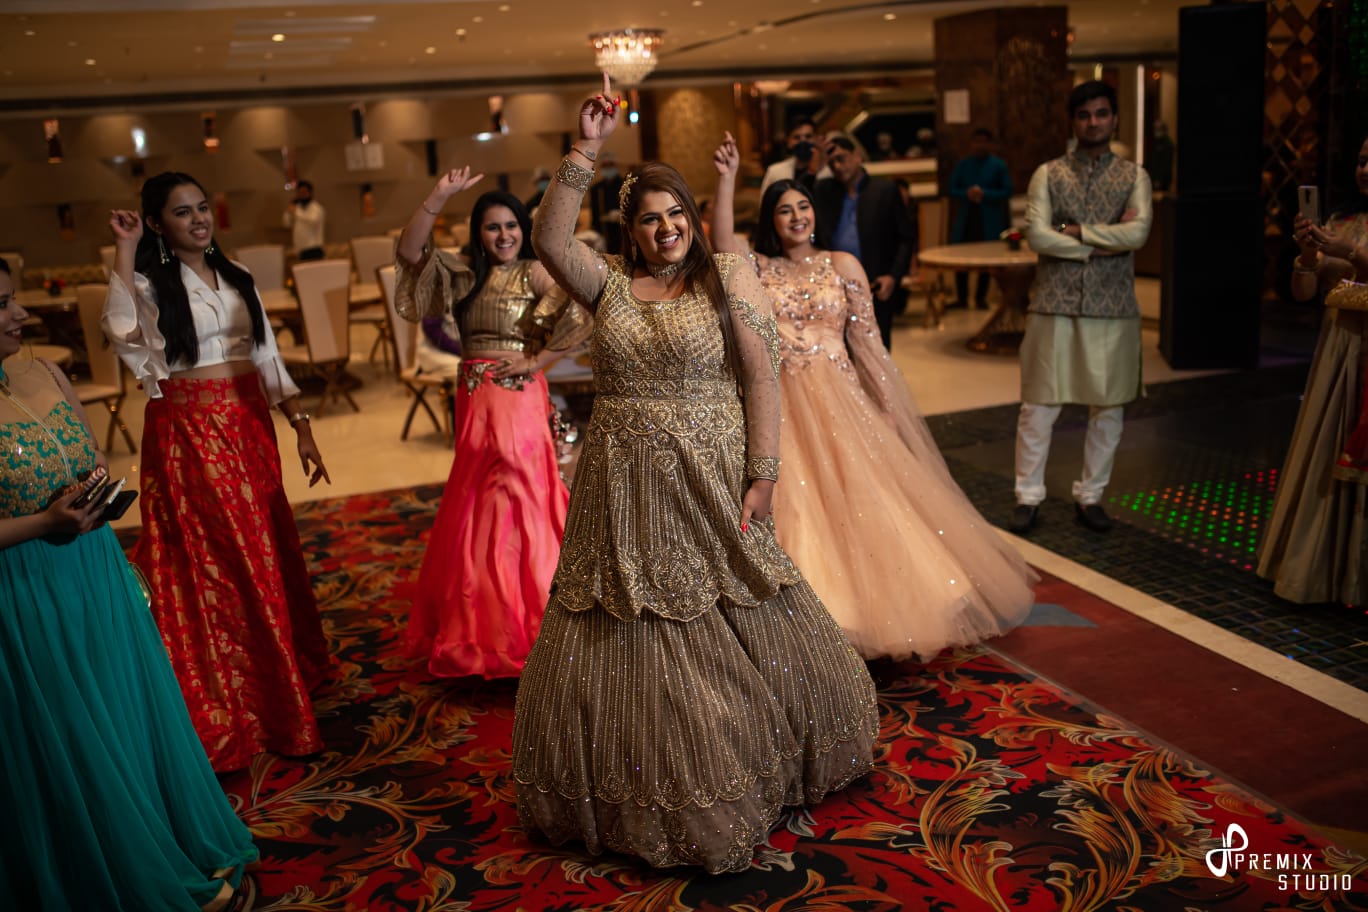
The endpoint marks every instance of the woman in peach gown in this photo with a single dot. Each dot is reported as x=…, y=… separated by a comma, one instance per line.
x=867, y=509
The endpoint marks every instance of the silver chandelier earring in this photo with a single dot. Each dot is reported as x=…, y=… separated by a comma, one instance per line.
x=161, y=251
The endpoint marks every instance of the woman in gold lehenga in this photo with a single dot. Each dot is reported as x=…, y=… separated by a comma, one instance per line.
x=686, y=684
x=1315, y=547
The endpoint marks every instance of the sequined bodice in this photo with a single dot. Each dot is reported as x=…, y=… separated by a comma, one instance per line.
x=810, y=308
x=647, y=343
x=33, y=469
x=500, y=317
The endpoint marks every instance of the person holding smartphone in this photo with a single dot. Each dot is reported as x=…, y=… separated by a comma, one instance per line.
x=1315, y=546
x=110, y=802
x=230, y=587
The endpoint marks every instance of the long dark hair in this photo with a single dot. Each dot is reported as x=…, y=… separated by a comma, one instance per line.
x=700, y=270
x=173, y=303
x=479, y=257
x=766, y=237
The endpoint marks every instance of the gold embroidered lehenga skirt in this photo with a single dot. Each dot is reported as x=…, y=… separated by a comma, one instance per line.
x=687, y=683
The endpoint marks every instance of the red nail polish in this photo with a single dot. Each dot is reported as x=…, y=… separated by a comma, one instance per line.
x=745, y=528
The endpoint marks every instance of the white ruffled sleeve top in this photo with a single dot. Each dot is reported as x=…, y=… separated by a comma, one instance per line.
x=223, y=326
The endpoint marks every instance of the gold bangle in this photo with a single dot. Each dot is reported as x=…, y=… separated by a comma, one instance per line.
x=762, y=467
x=574, y=176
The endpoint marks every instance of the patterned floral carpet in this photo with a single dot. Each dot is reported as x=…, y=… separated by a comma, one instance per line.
x=993, y=790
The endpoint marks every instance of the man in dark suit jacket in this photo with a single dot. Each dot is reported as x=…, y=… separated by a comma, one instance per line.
x=865, y=216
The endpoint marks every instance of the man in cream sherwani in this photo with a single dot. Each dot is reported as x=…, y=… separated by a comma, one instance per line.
x=1088, y=212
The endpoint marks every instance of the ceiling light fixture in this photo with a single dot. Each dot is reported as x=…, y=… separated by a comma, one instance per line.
x=627, y=55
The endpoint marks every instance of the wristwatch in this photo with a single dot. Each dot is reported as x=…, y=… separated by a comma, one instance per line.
x=298, y=417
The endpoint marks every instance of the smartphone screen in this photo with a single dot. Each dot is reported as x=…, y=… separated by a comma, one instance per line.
x=1308, y=203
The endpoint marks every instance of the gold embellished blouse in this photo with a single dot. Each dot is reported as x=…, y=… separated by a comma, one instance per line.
x=507, y=315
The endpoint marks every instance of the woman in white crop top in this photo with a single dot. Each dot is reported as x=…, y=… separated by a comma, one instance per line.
x=230, y=588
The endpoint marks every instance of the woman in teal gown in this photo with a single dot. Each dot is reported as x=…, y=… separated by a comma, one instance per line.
x=110, y=803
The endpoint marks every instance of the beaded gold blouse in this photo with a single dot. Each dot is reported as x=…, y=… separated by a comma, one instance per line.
x=507, y=315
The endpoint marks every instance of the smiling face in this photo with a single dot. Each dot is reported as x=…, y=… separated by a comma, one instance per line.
x=661, y=229
x=793, y=219
x=12, y=318
x=186, y=222
x=501, y=235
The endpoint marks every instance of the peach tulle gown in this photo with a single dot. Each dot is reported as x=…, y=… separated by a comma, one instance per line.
x=866, y=506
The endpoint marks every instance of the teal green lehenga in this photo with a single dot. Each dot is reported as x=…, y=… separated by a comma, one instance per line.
x=109, y=801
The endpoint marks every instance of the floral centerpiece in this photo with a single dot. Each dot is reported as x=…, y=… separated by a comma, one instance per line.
x=54, y=286
x=1013, y=238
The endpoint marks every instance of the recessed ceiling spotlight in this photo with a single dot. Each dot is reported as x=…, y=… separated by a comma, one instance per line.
x=697, y=2
x=289, y=14
x=429, y=50
x=460, y=33
x=504, y=8
x=477, y=19
x=30, y=32
x=90, y=61
x=277, y=37
x=889, y=17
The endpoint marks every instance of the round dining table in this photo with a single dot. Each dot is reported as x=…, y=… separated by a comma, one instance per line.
x=1014, y=271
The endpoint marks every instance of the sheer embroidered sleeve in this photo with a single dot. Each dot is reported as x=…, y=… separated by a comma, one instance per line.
x=429, y=288
x=574, y=265
x=879, y=377
x=757, y=360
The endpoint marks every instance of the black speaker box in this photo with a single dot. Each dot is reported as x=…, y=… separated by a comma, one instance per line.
x=1212, y=281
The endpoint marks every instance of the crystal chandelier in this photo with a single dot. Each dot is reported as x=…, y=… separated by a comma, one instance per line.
x=627, y=55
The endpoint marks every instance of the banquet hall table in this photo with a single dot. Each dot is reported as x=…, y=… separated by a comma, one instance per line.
x=1014, y=271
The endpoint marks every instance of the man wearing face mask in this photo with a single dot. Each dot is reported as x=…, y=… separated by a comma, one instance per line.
x=603, y=202
x=305, y=217
x=804, y=163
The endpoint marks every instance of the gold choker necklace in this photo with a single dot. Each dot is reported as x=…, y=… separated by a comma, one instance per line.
x=664, y=272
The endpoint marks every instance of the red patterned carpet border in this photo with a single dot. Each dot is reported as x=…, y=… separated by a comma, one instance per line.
x=992, y=791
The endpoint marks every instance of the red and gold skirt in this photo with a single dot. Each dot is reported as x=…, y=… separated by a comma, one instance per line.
x=493, y=548
x=230, y=590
